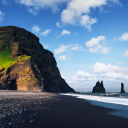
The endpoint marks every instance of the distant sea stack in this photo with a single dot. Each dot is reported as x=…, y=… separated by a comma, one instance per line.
x=26, y=65
x=98, y=88
x=122, y=88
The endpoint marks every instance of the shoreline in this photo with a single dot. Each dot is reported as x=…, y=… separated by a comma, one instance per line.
x=118, y=105
x=49, y=110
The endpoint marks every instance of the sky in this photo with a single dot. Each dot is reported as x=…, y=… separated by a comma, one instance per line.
x=89, y=38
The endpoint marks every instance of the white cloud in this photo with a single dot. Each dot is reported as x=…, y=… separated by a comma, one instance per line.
x=33, y=11
x=81, y=79
x=82, y=76
x=61, y=49
x=103, y=71
x=68, y=48
x=76, y=13
x=99, y=49
x=26, y=2
x=96, y=45
x=95, y=41
x=126, y=54
x=104, y=50
x=62, y=57
x=35, y=29
x=76, y=10
x=46, y=32
x=1, y=16
x=124, y=37
x=100, y=68
x=65, y=32
x=76, y=48
x=42, y=4
x=111, y=75
x=86, y=21
x=58, y=24
x=111, y=72
x=115, y=2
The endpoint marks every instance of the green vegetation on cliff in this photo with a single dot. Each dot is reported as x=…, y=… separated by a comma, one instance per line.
x=30, y=79
x=6, y=61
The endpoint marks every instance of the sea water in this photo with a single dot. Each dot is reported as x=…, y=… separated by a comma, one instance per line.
x=117, y=102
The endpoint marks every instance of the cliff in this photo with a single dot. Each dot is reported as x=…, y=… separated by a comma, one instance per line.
x=26, y=65
x=99, y=88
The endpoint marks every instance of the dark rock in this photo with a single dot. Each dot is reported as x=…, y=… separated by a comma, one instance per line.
x=122, y=88
x=98, y=88
x=2, y=69
x=35, y=69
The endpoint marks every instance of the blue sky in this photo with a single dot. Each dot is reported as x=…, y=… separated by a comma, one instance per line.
x=89, y=39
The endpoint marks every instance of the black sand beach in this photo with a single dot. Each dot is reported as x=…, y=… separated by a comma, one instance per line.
x=47, y=110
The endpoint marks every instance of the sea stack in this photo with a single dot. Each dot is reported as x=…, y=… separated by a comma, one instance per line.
x=122, y=88
x=98, y=88
x=26, y=65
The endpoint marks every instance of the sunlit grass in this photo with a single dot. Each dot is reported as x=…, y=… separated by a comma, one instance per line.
x=6, y=61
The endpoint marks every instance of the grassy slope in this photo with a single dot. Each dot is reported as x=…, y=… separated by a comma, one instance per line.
x=6, y=61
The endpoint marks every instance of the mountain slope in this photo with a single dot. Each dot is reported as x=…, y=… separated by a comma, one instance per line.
x=26, y=65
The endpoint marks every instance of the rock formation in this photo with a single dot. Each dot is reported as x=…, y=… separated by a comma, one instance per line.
x=122, y=88
x=98, y=88
x=26, y=65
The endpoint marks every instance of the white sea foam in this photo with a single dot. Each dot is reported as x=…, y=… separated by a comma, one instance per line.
x=118, y=103
x=113, y=100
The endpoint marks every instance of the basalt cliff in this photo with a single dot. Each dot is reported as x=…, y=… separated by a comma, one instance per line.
x=26, y=65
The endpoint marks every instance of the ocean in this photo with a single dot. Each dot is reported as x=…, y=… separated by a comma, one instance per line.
x=117, y=102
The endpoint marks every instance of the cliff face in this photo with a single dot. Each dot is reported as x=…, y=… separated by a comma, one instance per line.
x=26, y=65
x=98, y=88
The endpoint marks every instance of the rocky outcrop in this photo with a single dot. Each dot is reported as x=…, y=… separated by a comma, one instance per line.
x=28, y=66
x=98, y=88
x=122, y=88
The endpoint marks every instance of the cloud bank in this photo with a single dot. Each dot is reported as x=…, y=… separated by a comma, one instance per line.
x=77, y=12
x=112, y=76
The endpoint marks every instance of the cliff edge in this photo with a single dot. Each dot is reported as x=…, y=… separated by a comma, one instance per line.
x=26, y=65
